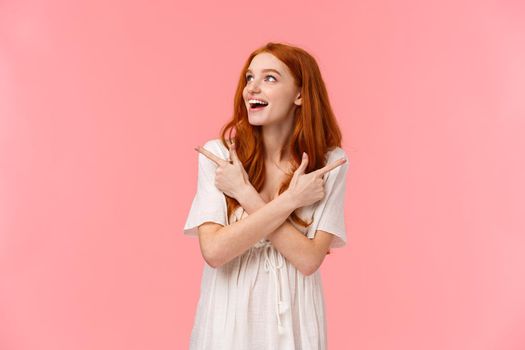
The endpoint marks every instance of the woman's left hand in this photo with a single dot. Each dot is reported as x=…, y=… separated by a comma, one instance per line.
x=230, y=177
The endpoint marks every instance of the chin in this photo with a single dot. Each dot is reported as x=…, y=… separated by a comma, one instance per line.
x=255, y=122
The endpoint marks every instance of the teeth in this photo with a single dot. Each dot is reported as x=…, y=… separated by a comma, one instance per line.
x=257, y=101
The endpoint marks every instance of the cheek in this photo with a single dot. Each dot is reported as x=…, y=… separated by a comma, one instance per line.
x=277, y=97
x=282, y=101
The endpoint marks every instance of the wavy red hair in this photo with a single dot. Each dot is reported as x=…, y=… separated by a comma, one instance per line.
x=315, y=128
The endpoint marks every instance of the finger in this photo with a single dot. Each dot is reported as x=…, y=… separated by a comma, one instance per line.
x=233, y=154
x=303, y=165
x=210, y=155
x=330, y=166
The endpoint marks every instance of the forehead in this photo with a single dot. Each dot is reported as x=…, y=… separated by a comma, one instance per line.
x=266, y=60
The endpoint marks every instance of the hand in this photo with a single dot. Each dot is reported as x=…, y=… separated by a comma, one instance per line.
x=230, y=178
x=306, y=189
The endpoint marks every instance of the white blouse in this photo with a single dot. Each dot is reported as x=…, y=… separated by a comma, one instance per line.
x=259, y=300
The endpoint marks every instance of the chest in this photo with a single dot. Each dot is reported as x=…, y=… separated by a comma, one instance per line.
x=273, y=180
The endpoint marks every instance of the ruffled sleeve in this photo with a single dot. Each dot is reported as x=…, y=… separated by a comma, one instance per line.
x=329, y=214
x=209, y=203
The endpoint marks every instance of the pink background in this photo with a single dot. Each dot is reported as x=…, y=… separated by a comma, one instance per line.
x=102, y=102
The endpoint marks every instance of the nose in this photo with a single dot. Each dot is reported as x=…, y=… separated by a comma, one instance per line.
x=252, y=86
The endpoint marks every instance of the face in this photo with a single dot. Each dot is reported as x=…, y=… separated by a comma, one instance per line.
x=269, y=79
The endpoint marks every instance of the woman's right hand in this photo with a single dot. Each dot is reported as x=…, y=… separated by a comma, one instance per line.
x=306, y=189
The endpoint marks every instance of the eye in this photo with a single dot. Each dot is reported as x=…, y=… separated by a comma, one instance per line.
x=249, y=75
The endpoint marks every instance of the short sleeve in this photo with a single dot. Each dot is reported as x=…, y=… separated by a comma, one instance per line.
x=329, y=215
x=209, y=203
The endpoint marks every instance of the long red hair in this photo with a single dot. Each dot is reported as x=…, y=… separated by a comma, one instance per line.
x=315, y=128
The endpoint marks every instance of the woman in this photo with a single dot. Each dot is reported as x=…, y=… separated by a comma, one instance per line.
x=269, y=206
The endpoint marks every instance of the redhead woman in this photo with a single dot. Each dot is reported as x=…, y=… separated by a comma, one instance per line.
x=268, y=208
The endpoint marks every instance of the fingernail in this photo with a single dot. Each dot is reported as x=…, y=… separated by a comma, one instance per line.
x=196, y=149
x=304, y=155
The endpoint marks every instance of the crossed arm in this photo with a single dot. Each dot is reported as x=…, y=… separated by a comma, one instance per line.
x=268, y=219
x=305, y=254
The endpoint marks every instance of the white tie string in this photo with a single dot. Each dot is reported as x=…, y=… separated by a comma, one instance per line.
x=270, y=256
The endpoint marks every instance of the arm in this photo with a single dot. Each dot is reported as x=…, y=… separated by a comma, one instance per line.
x=221, y=244
x=305, y=254
x=230, y=241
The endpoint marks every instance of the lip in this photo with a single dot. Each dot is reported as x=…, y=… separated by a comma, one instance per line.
x=256, y=98
x=256, y=109
x=250, y=109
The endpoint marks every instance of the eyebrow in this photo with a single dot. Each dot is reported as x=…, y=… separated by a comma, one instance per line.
x=266, y=70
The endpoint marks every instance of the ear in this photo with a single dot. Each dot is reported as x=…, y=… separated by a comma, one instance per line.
x=298, y=100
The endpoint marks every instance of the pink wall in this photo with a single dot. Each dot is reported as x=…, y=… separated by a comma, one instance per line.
x=102, y=102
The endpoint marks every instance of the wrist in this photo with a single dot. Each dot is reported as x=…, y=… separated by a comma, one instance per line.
x=289, y=199
x=244, y=192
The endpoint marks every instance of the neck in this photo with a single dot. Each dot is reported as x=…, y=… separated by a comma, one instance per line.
x=276, y=141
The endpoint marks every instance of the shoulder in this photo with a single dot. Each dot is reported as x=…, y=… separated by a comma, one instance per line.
x=336, y=153
x=216, y=146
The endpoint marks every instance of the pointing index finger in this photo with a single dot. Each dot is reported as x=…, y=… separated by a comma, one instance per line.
x=330, y=166
x=210, y=155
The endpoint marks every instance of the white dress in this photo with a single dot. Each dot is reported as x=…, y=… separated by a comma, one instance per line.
x=259, y=300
